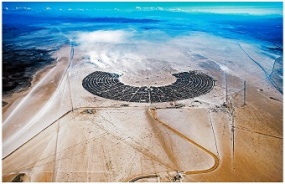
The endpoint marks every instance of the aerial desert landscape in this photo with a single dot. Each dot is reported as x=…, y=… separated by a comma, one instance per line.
x=142, y=92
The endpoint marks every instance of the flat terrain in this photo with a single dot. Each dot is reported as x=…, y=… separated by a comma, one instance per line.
x=58, y=131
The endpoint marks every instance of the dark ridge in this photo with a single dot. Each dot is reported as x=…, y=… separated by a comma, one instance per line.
x=4, y=103
x=20, y=65
x=19, y=178
x=11, y=31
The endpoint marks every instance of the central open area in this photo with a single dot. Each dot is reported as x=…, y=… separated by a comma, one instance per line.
x=188, y=85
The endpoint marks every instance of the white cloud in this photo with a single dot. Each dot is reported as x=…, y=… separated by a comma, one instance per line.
x=230, y=10
x=21, y=8
x=176, y=9
x=113, y=37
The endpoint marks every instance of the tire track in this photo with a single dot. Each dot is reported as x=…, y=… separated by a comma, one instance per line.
x=152, y=112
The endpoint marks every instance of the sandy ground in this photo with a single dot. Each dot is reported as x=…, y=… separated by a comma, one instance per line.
x=33, y=104
x=67, y=134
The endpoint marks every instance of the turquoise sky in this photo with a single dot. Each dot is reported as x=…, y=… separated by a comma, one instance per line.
x=137, y=5
x=245, y=8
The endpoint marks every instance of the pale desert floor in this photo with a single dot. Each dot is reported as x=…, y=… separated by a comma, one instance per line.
x=58, y=131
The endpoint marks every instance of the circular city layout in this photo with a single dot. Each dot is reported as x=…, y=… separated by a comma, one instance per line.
x=188, y=85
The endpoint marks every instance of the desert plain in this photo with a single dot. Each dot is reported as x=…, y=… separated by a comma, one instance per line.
x=57, y=131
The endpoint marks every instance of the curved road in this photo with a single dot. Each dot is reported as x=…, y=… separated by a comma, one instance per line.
x=152, y=112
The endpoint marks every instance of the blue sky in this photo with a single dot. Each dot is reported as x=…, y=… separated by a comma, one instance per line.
x=209, y=7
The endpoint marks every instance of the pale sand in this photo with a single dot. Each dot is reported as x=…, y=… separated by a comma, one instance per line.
x=121, y=143
x=21, y=116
